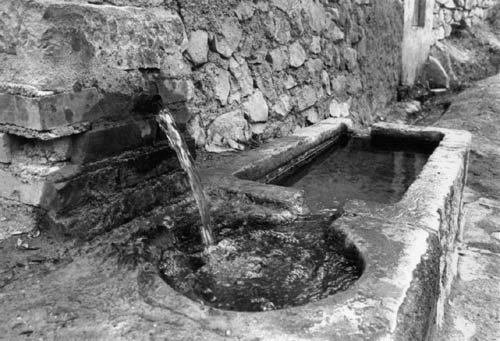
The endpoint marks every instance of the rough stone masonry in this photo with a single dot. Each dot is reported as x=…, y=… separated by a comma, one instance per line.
x=449, y=13
x=81, y=81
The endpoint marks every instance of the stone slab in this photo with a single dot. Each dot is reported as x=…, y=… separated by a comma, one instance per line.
x=104, y=209
x=85, y=200
x=79, y=185
x=48, y=112
x=74, y=44
x=45, y=135
x=255, y=164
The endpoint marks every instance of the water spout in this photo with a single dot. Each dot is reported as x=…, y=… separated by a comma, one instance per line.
x=167, y=124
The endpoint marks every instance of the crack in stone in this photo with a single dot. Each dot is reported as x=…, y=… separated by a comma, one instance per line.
x=179, y=11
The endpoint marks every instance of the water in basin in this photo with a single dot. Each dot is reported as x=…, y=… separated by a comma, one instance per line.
x=357, y=168
x=258, y=266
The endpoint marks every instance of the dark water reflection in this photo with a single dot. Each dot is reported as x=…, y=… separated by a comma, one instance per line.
x=357, y=169
x=266, y=266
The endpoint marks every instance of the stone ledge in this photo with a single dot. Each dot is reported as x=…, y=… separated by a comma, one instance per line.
x=102, y=212
x=107, y=193
x=103, y=141
x=48, y=112
x=63, y=186
x=45, y=135
x=236, y=176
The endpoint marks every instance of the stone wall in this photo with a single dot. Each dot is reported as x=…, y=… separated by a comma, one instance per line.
x=262, y=69
x=82, y=80
x=233, y=69
x=449, y=13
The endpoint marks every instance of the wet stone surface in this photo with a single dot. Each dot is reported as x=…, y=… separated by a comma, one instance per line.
x=262, y=266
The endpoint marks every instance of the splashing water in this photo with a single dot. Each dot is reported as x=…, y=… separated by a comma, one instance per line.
x=167, y=124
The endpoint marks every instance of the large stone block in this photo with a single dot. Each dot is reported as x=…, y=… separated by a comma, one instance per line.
x=256, y=108
x=59, y=45
x=89, y=220
x=230, y=36
x=228, y=131
x=48, y=112
x=96, y=197
x=305, y=97
x=198, y=47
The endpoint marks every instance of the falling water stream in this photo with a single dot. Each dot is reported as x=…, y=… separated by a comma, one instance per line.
x=167, y=124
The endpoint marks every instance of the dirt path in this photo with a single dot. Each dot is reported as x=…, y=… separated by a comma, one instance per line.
x=473, y=311
x=55, y=290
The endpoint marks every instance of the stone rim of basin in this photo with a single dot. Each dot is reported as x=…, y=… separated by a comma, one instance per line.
x=404, y=246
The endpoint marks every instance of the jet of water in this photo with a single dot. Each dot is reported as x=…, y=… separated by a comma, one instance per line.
x=167, y=124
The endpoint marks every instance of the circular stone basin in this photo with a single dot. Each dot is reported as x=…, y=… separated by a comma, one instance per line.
x=266, y=268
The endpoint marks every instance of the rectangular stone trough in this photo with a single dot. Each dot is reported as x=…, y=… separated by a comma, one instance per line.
x=408, y=248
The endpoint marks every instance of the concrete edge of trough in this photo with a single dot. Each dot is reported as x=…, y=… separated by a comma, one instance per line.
x=241, y=174
x=408, y=247
x=434, y=202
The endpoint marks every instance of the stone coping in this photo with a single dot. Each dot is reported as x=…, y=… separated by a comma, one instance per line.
x=47, y=112
x=408, y=249
x=239, y=175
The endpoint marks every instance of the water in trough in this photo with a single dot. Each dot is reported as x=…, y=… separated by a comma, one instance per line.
x=357, y=168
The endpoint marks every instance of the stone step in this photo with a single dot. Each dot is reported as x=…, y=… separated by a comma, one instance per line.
x=64, y=186
x=92, y=197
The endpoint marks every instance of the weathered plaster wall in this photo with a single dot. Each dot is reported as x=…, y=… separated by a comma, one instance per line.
x=417, y=41
x=440, y=18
